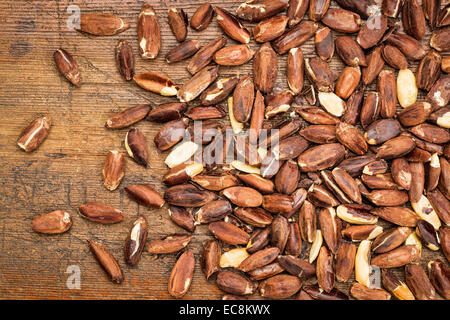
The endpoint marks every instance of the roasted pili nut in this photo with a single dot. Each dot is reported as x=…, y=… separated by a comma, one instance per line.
x=370, y=109
x=318, y=294
x=330, y=225
x=182, y=51
x=377, y=167
x=233, y=55
x=256, y=181
x=398, y=215
x=398, y=288
x=205, y=112
x=417, y=181
x=167, y=112
x=307, y=221
x=390, y=239
x=178, y=21
x=256, y=217
x=257, y=10
x=265, y=68
x=170, y=134
x=100, y=212
x=219, y=90
x=431, y=133
x=316, y=115
x=380, y=181
x=322, y=76
x=318, y=8
x=182, y=173
x=444, y=237
x=433, y=172
x=439, y=94
x=135, y=241
x=395, y=148
x=228, y=233
x=234, y=283
x=125, y=59
x=350, y=52
x=299, y=196
x=188, y=195
x=362, y=263
x=106, y=261
x=243, y=196
x=202, y=17
x=394, y=57
x=362, y=232
x=296, y=11
x=347, y=184
x=278, y=103
x=180, y=278
x=231, y=25
x=319, y=133
x=287, y=178
x=290, y=148
x=297, y=267
x=33, y=135
x=375, y=64
x=425, y=211
x=54, y=222
x=128, y=117
x=279, y=232
x=418, y=155
x=425, y=145
x=321, y=197
x=243, y=97
x=345, y=261
x=145, y=195
x=182, y=217
x=401, y=172
x=414, y=240
x=233, y=258
x=157, y=83
x=348, y=82
x=342, y=20
x=295, y=70
x=444, y=16
x=67, y=65
x=102, y=24
x=181, y=153
x=440, y=204
x=415, y=114
x=396, y=258
x=429, y=236
x=409, y=46
x=294, y=245
x=387, y=89
x=419, y=283
x=445, y=62
x=315, y=246
x=355, y=214
x=440, y=39
x=259, y=259
x=323, y=42
x=441, y=117
x=259, y=240
x=413, y=19
x=372, y=31
x=361, y=292
x=136, y=146
x=324, y=269
x=198, y=83
x=351, y=138
x=149, y=34
x=205, y=55
x=321, y=157
x=392, y=8
x=360, y=7
x=279, y=286
x=213, y=211
x=302, y=295
x=270, y=29
x=439, y=275
x=210, y=257
x=353, y=107
x=388, y=198
x=429, y=70
x=295, y=37
x=169, y=244
x=113, y=169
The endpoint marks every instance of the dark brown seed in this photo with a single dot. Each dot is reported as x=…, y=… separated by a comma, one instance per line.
x=182, y=217
x=102, y=24
x=380, y=181
x=67, y=65
x=265, y=272
x=415, y=114
x=431, y=133
x=213, y=211
x=295, y=37
x=279, y=233
x=390, y=239
x=205, y=55
x=100, y=212
x=286, y=180
x=188, y=195
x=258, y=240
x=270, y=29
x=375, y=168
x=297, y=267
x=318, y=8
x=440, y=204
x=355, y=165
x=149, y=34
x=444, y=16
x=320, y=134
x=429, y=70
x=413, y=19
x=324, y=43
x=409, y=46
x=395, y=148
x=324, y=270
x=243, y=96
x=182, y=51
x=136, y=146
x=125, y=59
x=350, y=52
x=316, y=115
x=178, y=22
x=55, y=222
x=439, y=94
x=295, y=70
x=180, y=278
x=278, y=103
x=128, y=117
x=106, y=261
x=391, y=8
x=256, y=217
x=307, y=221
x=372, y=31
x=444, y=237
x=135, y=242
x=320, y=73
x=394, y=57
x=278, y=203
x=145, y=195
x=354, y=105
x=387, y=89
x=348, y=82
x=170, y=134
x=375, y=64
x=33, y=135
x=169, y=244
x=419, y=283
x=342, y=20
x=219, y=90
x=257, y=10
x=279, y=287
x=396, y=258
x=167, y=112
x=330, y=225
x=381, y=131
x=113, y=169
x=234, y=283
x=232, y=26
x=351, y=138
x=210, y=258
x=317, y=293
x=294, y=244
x=361, y=292
x=265, y=68
x=345, y=261
x=157, y=83
x=228, y=233
x=202, y=17
x=321, y=157
x=243, y=196
x=398, y=215
x=296, y=11
x=439, y=275
x=259, y=259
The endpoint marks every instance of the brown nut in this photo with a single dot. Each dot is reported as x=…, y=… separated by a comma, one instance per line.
x=440, y=39
x=342, y=20
x=231, y=26
x=113, y=169
x=256, y=10
x=294, y=37
x=33, y=135
x=145, y=195
x=170, y=134
x=182, y=51
x=135, y=242
x=157, y=83
x=202, y=17
x=295, y=70
x=375, y=64
x=102, y=24
x=270, y=29
x=296, y=11
x=210, y=257
x=419, y=283
x=128, y=117
x=429, y=70
x=396, y=258
x=167, y=112
x=409, y=46
x=67, y=65
x=394, y=57
x=318, y=8
x=219, y=90
x=100, y=212
x=54, y=222
x=381, y=131
x=228, y=233
x=324, y=43
x=180, y=278
x=243, y=97
x=198, y=83
x=178, y=22
x=351, y=138
x=106, y=261
x=372, y=31
x=361, y=292
x=348, y=82
x=182, y=217
x=136, y=146
x=413, y=19
x=321, y=157
x=398, y=288
x=205, y=55
x=439, y=275
x=169, y=244
x=265, y=68
x=234, y=283
x=390, y=239
x=149, y=34
x=345, y=261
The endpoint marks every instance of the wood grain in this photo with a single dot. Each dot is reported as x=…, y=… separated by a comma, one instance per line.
x=66, y=170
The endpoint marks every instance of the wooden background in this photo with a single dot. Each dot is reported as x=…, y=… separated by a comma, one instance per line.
x=66, y=170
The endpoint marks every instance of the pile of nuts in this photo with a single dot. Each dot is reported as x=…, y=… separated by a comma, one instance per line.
x=357, y=161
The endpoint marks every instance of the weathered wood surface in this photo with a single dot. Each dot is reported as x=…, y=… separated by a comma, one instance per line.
x=66, y=170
